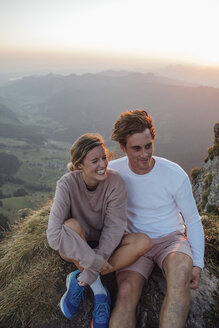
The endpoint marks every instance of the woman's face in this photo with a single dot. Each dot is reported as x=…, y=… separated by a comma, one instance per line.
x=94, y=166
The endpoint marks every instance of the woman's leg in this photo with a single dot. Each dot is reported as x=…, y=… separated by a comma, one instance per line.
x=71, y=300
x=132, y=246
x=77, y=227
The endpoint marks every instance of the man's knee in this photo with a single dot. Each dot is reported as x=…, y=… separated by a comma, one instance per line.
x=125, y=289
x=129, y=290
x=125, y=299
x=178, y=273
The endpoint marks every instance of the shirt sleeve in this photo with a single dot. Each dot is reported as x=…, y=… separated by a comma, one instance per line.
x=115, y=219
x=195, y=233
x=65, y=240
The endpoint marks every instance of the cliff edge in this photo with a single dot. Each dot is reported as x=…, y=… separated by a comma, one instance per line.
x=205, y=179
x=32, y=278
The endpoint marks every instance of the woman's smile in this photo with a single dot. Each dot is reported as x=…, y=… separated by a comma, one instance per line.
x=94, y=166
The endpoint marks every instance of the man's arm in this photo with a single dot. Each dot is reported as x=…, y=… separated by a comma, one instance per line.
x=195, y=232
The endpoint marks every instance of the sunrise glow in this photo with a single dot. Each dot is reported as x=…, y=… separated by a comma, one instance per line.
x=180, y=30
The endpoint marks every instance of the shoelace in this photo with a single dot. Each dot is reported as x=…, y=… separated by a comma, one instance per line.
x=78, y=295
x=102, y=312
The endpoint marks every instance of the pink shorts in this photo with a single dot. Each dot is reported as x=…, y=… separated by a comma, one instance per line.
x=161, y=247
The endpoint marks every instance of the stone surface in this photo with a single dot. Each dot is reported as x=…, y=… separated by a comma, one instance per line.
x=202, y=309
x=203, y=306
x=202, y=186
x=216, y=133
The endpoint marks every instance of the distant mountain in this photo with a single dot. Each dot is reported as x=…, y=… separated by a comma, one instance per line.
x=7, y=115
x=199, y=75
x=149, y=77
x=35, y=88
x=38, y=87
x=183, y=114
x=12, y=127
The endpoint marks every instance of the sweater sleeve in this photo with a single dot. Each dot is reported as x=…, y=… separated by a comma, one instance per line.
x=195, y=233
x=115, y=219
x=63, y=239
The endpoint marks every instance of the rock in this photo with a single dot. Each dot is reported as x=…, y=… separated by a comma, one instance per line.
x=202, y=308
x=216, y=133
x=205, y=180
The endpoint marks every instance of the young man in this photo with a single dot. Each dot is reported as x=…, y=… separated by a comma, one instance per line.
x=158, y=192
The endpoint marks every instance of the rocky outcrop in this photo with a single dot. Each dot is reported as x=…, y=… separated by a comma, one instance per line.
x=201, y=315
x=205, y=179
x=33, y=275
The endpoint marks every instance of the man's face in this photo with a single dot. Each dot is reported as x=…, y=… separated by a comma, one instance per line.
x=139, y=149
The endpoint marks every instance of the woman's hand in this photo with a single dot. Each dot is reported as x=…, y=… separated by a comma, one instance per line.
x=80, y=283
x=106, y=267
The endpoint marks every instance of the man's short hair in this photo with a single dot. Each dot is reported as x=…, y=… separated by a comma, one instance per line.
x=130, y=122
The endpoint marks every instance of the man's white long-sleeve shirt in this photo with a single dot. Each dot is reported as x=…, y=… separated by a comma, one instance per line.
x=157, y=199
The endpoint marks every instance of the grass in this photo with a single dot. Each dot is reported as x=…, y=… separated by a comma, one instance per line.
x=195, y=172
x=43, y=164
x=15, y=207
x=32, y=273
x=211, y=228
x=29, y=270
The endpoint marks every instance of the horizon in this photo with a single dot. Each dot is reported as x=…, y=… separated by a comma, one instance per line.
x=80, y=36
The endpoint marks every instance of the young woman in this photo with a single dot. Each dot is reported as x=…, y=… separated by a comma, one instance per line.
x=86, y=226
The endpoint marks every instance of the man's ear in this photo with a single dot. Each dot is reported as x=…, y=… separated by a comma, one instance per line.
x=123, y=148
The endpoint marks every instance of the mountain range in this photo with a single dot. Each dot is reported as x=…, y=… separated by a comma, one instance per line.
x=64, y=107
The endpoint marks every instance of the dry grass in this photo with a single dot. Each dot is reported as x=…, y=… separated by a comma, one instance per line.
x=33, y=276
x=29, y=272
x=211, y=228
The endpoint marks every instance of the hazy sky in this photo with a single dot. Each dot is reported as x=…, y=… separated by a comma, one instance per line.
x=122, y=33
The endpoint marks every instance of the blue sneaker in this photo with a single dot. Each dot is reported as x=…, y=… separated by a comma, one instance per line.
x=101, y=313
x=71, y=300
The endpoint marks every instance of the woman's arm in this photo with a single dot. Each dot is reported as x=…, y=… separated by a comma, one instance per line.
x=115, y=218
x=62, y=238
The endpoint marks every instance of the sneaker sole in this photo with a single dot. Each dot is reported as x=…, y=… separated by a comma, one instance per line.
x=63, y=297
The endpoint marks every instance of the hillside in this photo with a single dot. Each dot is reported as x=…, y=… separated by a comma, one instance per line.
x=41, y=116
x=33, y=280
x=7, y=116
x=205, y=179
x=199, y=75
x=58, y=103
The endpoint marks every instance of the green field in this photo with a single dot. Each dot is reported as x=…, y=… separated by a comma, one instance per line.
x=40, y=168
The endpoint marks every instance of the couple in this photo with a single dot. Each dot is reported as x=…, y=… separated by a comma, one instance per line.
x=126, y=218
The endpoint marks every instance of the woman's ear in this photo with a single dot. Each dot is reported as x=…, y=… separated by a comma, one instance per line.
x=79, y=167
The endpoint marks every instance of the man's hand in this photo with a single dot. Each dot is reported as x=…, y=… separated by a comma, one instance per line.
x=106, y=266
x=196, y=271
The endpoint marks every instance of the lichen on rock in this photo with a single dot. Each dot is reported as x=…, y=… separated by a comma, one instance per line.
x=205, y=180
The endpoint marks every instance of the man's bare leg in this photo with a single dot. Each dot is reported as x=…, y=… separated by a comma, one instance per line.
x=130, y=286
x=132, y=246
x=177, y=268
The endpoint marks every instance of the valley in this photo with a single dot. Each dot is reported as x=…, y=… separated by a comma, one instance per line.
x=41, y=116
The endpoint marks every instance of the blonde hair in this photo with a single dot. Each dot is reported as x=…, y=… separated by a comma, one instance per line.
x=81, y=147
x=130, y=122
